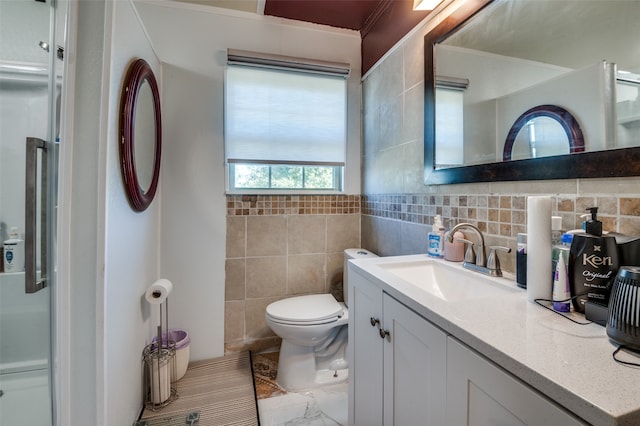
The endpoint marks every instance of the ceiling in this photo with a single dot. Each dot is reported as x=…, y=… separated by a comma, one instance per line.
x=349, y=14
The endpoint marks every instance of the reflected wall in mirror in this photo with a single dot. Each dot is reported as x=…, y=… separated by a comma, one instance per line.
x=140, y=135
x=515, y=55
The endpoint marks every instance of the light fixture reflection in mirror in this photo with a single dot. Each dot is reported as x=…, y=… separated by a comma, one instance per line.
x=529, y=41
x=425, y=4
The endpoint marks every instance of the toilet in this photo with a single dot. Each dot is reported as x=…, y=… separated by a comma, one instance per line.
x=313, y=329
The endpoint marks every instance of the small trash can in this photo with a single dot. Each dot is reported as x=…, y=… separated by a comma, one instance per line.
x=182, y=342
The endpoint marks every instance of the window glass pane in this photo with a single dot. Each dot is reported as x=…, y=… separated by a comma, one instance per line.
x=289, y=177
x=279, y=176
x=319, y=177
x=250, y=176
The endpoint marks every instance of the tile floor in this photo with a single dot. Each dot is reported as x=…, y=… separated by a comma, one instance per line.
x=325, y=406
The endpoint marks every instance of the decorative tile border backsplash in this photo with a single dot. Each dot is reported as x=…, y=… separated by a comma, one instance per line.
x=503, y=215
x=266, y=205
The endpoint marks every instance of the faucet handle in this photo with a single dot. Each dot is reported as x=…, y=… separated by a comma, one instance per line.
x=469, y=254
x=493, y=263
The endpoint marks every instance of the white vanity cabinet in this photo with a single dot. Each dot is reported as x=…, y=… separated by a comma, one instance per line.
x=398, y=361
x=364, y=352
x=481, y=394
x=405, y=371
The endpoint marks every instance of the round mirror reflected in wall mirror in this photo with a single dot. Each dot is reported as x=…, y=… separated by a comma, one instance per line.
x=540, y=137
x=140, y=135
x=543, y=131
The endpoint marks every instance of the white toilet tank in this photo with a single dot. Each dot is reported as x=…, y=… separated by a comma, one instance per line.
x=352, y=253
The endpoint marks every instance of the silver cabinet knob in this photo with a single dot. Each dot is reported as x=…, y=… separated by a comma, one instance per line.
x=374, y=321
x=384, y=333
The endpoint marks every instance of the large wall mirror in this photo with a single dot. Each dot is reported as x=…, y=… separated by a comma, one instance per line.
x=575, y=63
x=140, y=135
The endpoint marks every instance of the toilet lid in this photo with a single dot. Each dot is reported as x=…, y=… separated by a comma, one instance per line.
x=311, y=308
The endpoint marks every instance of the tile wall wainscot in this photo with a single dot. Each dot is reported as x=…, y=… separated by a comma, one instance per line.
x=278, y=247
x=397, y=224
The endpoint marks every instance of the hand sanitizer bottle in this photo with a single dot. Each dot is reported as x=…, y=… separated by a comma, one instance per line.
x=436, y=238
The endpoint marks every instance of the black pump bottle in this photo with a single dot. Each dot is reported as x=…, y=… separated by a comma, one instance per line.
x=593, y=264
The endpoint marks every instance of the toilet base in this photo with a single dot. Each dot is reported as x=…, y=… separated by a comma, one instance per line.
x=297, y=369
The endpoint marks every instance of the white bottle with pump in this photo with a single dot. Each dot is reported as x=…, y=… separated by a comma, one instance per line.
x=13, y=257
x=436, y=238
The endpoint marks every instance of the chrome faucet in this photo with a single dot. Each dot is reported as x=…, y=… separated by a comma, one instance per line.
x=477, y=260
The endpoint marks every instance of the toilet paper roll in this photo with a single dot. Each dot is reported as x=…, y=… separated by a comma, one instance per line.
x=158, y=291
x=539, y=283
x=160, y=376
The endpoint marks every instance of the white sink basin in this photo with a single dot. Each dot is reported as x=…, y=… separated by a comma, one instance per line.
x=449, y=282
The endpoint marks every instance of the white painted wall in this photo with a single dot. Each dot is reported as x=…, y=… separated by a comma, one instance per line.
x=108, y=254
x=132, y=239
x=191, y=42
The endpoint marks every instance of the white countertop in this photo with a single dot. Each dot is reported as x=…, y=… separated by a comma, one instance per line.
x=571, y=364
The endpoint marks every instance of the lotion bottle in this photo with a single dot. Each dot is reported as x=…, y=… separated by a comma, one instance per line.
x=561, y=290
x=13, y=255
x=593, y=264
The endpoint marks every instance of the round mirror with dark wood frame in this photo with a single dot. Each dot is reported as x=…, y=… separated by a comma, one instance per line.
x=140, y=148
x=563, y=118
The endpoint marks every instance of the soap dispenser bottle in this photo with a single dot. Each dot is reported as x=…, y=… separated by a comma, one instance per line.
x=593, y=264
x=13, y=253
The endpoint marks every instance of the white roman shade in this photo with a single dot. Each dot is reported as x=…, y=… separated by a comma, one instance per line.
x=282, y=115
x=450, y=121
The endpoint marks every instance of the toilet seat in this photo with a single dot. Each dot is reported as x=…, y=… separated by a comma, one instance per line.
x=312, y=309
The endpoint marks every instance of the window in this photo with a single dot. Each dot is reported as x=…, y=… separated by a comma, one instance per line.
x=450, y=120
x=285, y=128
x=449, y=127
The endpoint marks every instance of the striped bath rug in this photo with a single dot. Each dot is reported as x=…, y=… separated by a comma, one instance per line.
x=216, y=392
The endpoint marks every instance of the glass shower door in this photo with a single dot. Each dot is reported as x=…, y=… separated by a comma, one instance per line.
x=29, y=93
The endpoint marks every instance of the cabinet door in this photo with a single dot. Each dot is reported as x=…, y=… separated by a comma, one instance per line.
x=365, y=352
x=481, y=394
x=414, y=368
